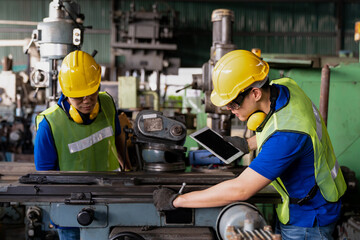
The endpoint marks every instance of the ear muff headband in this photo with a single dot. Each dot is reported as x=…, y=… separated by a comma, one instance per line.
x=257, y=120
x=76, y=117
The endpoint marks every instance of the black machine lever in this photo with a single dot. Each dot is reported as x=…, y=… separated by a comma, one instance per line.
x=85, y=217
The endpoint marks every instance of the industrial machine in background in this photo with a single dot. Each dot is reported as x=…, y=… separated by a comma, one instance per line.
x=161, y=141
x=59, y=34
x=25, y=94
x=222, y=43
x=141, y=44
x=16, y=108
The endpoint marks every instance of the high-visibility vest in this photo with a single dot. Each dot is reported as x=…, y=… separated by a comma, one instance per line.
x=83, y=147
x=300, y=115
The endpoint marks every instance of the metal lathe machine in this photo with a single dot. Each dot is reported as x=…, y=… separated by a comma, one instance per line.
x=119, y=204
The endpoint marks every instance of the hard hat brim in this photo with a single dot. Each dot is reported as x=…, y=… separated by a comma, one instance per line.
x=217, y=100
x=220, y=102
x=83, y=93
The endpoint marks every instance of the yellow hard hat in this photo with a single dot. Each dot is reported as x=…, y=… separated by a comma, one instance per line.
x=79, y=75
x=234, y=73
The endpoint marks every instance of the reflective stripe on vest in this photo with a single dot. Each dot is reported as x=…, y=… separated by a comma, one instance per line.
x=318, y=121
x=91, y=140
x=335, y=169
x=327, y=173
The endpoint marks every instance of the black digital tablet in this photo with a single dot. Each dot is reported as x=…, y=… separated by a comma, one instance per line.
x=215, y=143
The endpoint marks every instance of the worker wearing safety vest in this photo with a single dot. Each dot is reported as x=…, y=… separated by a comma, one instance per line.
x=295, y=151
x=81, y=132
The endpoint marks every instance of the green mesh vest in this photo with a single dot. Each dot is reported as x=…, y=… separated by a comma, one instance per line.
x=301, y=115
x=84, y=147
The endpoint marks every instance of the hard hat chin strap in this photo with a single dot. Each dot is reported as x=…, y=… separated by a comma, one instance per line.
x=258, y=119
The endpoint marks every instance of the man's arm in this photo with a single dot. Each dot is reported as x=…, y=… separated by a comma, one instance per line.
x=238, y=189
x=267, y=166
x=45, y=155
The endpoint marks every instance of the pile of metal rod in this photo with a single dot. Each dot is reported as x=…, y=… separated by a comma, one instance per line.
x=237, y=233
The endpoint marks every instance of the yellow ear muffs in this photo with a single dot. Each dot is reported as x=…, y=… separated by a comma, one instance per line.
x=75, y=115
x=95, y=111
x=255, y=120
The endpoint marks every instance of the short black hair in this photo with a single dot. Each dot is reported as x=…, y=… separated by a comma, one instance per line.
x=266, y=85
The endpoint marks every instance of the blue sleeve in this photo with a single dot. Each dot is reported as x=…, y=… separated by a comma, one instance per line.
x=44, y=150
x=280, y=151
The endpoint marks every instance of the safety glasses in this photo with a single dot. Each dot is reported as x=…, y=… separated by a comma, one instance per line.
x=91, y=97
x=236, y=103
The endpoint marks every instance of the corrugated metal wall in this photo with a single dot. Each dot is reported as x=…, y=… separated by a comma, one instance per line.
x=97, y=15
x=297, y=28
x=19, y=10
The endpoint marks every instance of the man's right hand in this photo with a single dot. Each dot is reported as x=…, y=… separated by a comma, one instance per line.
x=238, y=142
x=163, y=199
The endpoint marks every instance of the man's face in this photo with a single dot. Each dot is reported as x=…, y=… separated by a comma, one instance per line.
x=245, y=109
x=85, y=104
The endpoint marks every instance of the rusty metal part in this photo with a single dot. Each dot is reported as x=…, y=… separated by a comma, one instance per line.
x=324, y=92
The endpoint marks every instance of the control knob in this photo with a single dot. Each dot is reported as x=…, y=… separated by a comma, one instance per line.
x=85, y=217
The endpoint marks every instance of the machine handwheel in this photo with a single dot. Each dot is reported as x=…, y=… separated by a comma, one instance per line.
x=127, y=236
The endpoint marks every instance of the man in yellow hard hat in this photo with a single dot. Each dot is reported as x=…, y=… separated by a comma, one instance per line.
x=81, y=132
x=295, y=151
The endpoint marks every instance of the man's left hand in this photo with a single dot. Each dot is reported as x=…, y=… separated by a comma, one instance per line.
x=238, y=142
x=163, y=199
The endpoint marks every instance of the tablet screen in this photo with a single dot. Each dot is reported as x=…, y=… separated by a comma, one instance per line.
x=213, y=142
